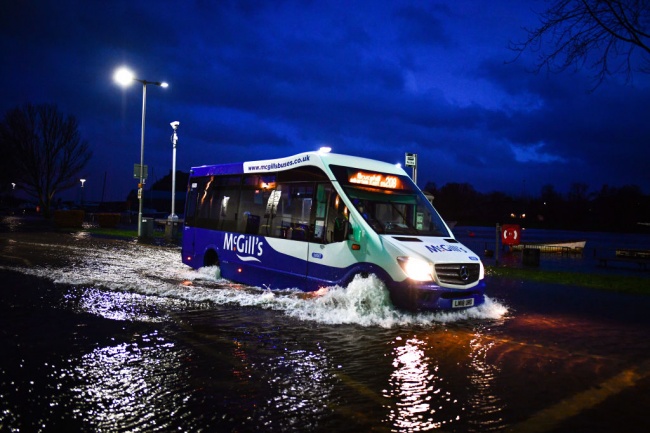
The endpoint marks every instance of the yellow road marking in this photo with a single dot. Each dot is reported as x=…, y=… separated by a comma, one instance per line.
x=547, y=419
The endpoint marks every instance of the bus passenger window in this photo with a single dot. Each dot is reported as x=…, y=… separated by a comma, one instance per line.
x=252, y=224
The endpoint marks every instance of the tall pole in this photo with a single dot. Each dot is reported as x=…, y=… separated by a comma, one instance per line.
x=140, y=186
x=124, y=77
x=174, y=176
x=496, y=245
x=82, y=191
x=104, y=187
x=174, y=125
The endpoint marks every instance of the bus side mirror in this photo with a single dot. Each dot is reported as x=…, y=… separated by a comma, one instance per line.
x=354, y=231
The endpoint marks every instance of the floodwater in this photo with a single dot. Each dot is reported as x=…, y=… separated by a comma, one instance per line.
x=112, y=335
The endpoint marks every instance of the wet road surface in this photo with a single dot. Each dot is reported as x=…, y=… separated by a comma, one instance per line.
x=113, y=335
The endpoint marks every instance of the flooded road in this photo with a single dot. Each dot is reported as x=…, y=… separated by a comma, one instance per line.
x=108, y=335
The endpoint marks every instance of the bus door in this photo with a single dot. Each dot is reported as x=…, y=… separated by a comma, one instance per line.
x=329, y=252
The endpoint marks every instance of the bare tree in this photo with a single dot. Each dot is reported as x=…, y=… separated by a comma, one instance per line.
x=603, y=35
x=47, y=151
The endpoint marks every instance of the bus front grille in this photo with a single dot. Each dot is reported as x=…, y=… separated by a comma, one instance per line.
x=458, y=273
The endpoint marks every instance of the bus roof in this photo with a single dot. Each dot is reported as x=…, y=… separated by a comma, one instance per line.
x=318, y=159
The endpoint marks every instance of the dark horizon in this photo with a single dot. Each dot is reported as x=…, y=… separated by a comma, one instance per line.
x=610, y=209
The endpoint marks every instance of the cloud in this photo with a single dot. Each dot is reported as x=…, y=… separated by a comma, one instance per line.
x=535, y=154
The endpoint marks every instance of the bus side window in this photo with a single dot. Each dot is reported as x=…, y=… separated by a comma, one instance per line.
x=271, y=225
x=295, y=211
x=254, y=202
x=206, y=215
x=228, y=203
x=190, y=205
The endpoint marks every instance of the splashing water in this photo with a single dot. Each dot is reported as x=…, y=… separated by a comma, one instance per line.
x=153, y=271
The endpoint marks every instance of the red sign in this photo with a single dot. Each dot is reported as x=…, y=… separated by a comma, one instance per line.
x=510, y=234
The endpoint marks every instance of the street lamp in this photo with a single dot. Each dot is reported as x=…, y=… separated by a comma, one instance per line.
x=174, y=125
x=82, y=190
x=125, y=77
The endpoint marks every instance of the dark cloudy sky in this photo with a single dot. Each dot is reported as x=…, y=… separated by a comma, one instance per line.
x=262, y=79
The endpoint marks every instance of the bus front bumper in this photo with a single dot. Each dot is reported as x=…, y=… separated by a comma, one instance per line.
x=430, y=297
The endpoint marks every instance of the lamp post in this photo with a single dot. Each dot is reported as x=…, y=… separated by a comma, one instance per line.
x=125, y=77
x=174, y=125
x=82, y=191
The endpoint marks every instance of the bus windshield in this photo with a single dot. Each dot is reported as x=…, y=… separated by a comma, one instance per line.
x=399, y=213
x=391, y=203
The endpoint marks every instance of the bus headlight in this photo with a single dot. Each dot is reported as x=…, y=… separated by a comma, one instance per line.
x=416, y=269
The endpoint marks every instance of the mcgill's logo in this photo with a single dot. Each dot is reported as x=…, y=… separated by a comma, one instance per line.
x=247, y=245
x=445, y=248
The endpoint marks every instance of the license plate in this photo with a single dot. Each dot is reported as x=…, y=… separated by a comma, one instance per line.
x=460, y=303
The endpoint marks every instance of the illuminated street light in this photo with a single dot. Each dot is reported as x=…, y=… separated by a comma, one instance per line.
x=174, y=125
x=82, y=190
x=125, y=77
x=172, y=219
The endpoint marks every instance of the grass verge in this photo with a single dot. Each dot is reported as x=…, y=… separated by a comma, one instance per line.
x=616, y=283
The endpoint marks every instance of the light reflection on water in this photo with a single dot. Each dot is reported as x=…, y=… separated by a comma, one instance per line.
x=301, y=384
x=136, y=386
x=417, y=391
x=117, y=306
x=426, y=392
x=486, y=403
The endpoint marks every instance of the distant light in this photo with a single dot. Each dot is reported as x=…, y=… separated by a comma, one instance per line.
x=325, y=149
x=164, y=84
x=123, y=76
x=82, y=182
x=399, y=165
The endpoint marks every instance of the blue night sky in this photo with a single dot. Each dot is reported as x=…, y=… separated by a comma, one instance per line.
x=257, y=80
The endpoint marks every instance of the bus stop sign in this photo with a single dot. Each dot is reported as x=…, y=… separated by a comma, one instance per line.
x=411, y=159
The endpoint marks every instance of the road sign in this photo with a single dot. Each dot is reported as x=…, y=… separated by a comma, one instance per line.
x=411, y=159
x=510, y=234
x=136, y=171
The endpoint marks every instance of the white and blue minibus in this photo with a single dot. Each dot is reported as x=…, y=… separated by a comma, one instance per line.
x=319, y=219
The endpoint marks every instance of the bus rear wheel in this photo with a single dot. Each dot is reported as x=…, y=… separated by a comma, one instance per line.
x=211, y=258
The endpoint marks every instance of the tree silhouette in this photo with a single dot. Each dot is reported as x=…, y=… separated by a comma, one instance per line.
x=46, y=149
x=603, y=35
